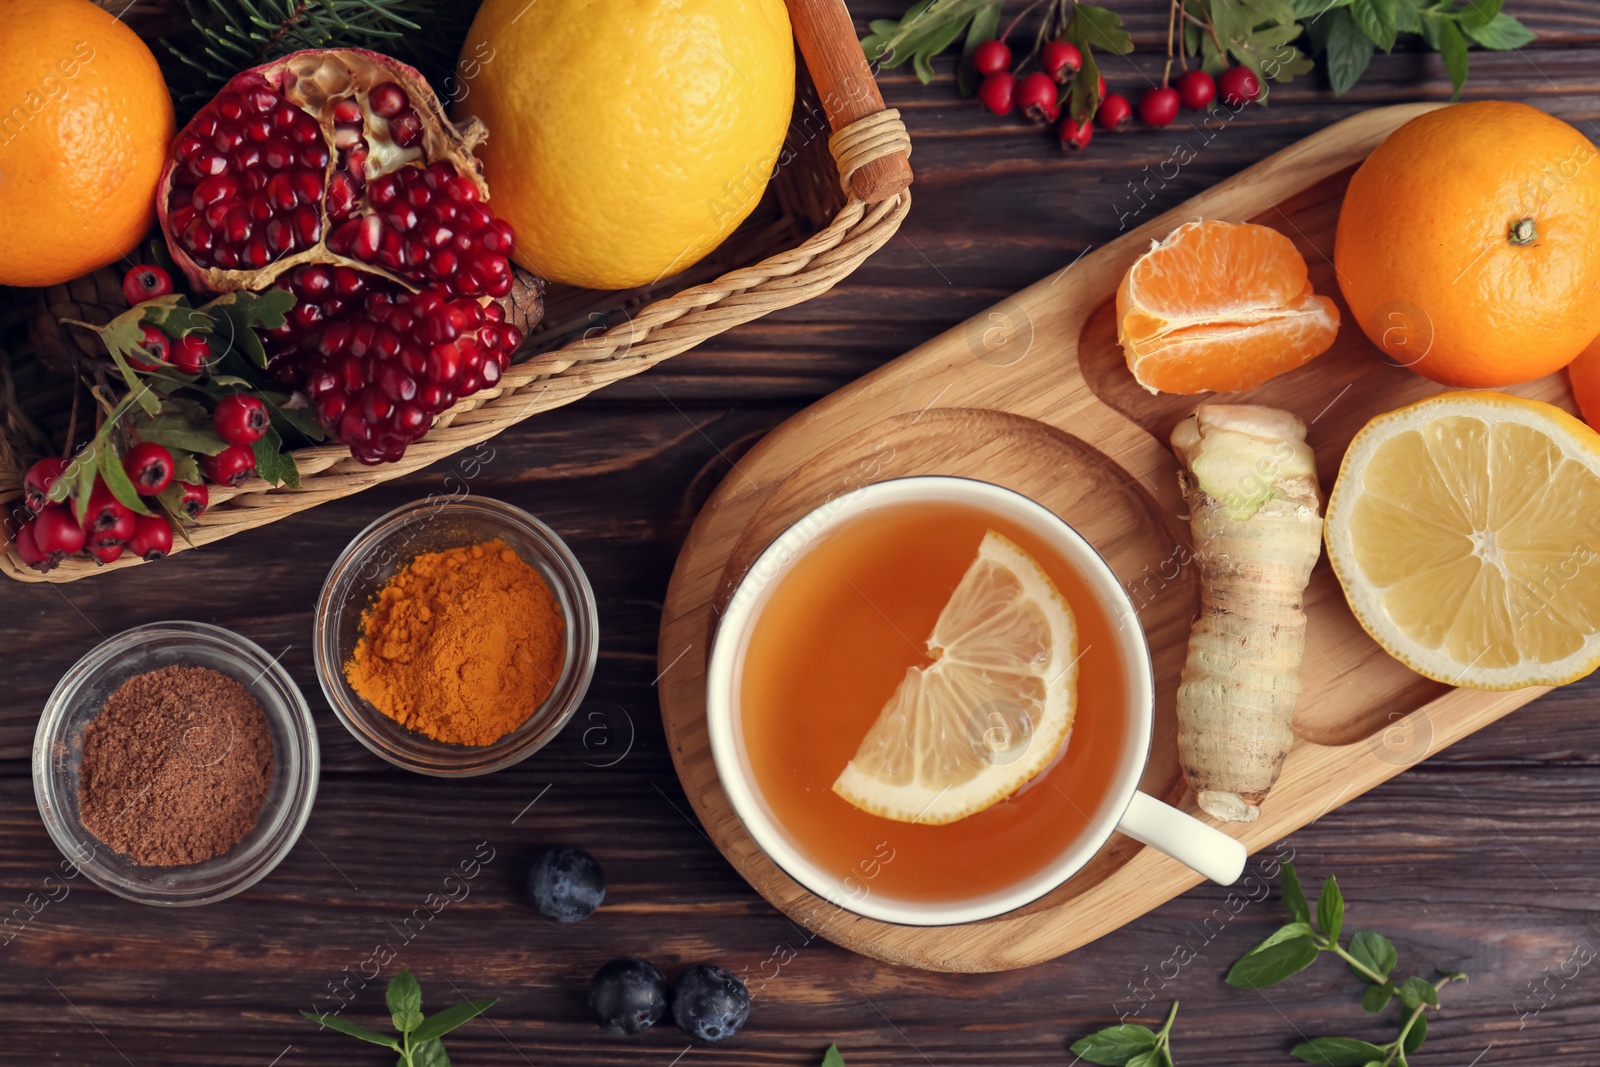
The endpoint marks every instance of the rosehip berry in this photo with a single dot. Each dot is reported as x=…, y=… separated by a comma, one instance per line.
x=152, y=538
x=105, y=510
x=116, y=533
x=145, y=283
x=1075, y=135
x=1158, y=107
x=240, y=418
x=107, y=553
x=231, y=466
x=998, y=92
x=1036, y=96
x=193, y=499
x=149, y=467
x=56, y=532
x=1196, y=89
x=29, y=551
x=1061, y=60
x=1239, y=86
x=40, y=477
x=1102, y=87
x=190, y=354
x=1115, y=112
x=155, y=347
x=991, y=57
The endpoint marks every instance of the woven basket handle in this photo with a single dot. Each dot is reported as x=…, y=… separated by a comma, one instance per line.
x=869, y=143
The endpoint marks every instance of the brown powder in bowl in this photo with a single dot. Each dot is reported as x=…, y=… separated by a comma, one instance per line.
x=176, y=766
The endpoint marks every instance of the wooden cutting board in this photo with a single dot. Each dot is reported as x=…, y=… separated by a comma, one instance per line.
x=1033, y=394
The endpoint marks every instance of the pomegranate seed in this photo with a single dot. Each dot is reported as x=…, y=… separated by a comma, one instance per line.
x=306, y=316
x=227, y=258
x=279, y=237
x=280, y=190
x=258, y=130
x=397, y=384
x=228, y=107
x=490, y=372
x=469, y=284
x=402, y=218
x=368, y=234
x=278, y=154
x=187, y=147
x=353, y=429
x=284, y=114
x=384, y=191
x=215, y=189
x=446, y=211
x=313, y=281
x=237, y=228
x=464, y=190
x=347, y=111
x=255, y=253
x=387, y=99
x=305, y=130
x=356, y=163
x=181, y=218
x=416, y=252
x=246, y=158
x=307, y=225
x=204, y=124
x=406, y=129
x=347, y=282
x=436, y=235
x=260, y=208
x=314, y=156
x=473, y=218
x=207, y=163
x=390, y=251
x=330, y=408
x=498, y=286
x=256, y=180
x=259, y=101
x=419, y=195
x=307, y=186
x=227, y=138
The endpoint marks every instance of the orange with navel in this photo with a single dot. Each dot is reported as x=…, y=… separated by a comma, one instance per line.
x=1469, y=244
x=83, y=138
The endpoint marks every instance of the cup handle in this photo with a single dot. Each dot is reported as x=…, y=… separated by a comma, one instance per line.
x=1185, y=838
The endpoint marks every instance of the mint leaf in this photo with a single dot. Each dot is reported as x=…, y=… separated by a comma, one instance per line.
x=833, y=1057
x=1502, y=33
x=1330, y=909
x=333, y=1022
x=406, y=1021
x=1349, y=51
x=1285, y=933
x=1415, y=991
x=1377, y=997
x=1453, y=47
x=1115, y=1046
x=1294, y=898
x=447, y=1020
x=403, y=994
x=1146, y=1059
x=1267, y=966
x=1338, y=1052
x=1478, y=12
x=1376, y=19
x=1375, y=952
x=1416, y=1035
x=430, y=1054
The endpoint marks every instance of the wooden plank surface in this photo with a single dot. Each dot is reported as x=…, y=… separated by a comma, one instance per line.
x=1483, y=857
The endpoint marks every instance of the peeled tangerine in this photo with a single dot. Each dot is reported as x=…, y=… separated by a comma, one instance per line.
x=1220, y=307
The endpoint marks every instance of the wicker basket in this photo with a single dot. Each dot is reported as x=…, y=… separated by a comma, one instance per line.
x=811, y=229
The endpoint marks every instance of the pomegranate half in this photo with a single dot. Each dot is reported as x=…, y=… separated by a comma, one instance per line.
x=334, y=173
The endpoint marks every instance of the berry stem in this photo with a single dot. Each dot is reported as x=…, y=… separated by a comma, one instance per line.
x=1172, y=21
x=1523, y=231
x=1019, y=17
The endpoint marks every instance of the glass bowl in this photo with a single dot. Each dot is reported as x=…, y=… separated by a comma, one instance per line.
x=433, y=525
x=80, y=696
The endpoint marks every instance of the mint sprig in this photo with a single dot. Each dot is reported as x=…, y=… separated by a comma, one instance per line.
x=1370, y=956
x=1346, y=33
x=419, y=1043
x=1129, y=1045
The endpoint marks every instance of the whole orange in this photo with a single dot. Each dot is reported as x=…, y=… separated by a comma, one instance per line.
x=1469, y=244
x=85, y=120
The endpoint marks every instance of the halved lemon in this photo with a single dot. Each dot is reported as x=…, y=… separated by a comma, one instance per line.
x=992, y=710
x=1465, y=529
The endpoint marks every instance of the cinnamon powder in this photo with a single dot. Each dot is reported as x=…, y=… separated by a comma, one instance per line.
x=176, y=766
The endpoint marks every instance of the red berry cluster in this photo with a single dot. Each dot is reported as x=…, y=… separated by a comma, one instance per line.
x=1038, y=94
x=109, y=527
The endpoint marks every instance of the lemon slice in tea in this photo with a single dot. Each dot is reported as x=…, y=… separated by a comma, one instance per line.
x=992, y=710
x=1465, y=529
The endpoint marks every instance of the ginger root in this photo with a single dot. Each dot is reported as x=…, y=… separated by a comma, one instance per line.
x=1255, y=518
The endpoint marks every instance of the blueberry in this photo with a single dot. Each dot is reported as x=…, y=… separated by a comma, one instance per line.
x=566, y=884
x=627, y=996
x=709, y=1003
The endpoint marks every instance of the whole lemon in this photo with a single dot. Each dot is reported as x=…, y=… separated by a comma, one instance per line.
x=627, y=138
x=85, y=120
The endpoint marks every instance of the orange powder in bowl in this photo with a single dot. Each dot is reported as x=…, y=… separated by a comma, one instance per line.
x=461, y=645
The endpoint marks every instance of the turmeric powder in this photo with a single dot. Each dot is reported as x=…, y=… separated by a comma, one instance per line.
x=461, y=645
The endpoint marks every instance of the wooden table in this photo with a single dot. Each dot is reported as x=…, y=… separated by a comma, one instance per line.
x=1482, y=859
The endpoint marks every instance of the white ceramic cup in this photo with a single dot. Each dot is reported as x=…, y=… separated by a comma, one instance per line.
x=1123, y=809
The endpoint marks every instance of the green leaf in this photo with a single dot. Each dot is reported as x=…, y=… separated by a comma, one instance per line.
x=1407, y=16
x=1478, y=13
x=429, y=1054
x=184, y=469
x=1375, y=952
x=1101, y=28
x=174, y=431
x=1330, y=909
x=1416, y=1035
x=1285, y=933
x=275, y=465
x=1415, y=991
x=403, y=994
x=1267, y=966
x=1502, y=33
x=238, y=316
x=406, y=1021
x=1453, y=47
x=1083, y=93
x=924, y=69
x=293, y=413
x=833, y=1057
x=1146, y=1059
x=1315, y=9
x=1115, y=1045
x=1377, y=997
x=117, y=480
x=1349, y=51
x=1337, y=1052
x=85, y=465
x=1376, y=19
x=175, y=317
x=333, y=1022
x=445, y=1021
x=1294, y=898
x=985, y=27
x=921, y=28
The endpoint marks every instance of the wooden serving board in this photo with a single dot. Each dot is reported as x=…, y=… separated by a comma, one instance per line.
x=1033, y=394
